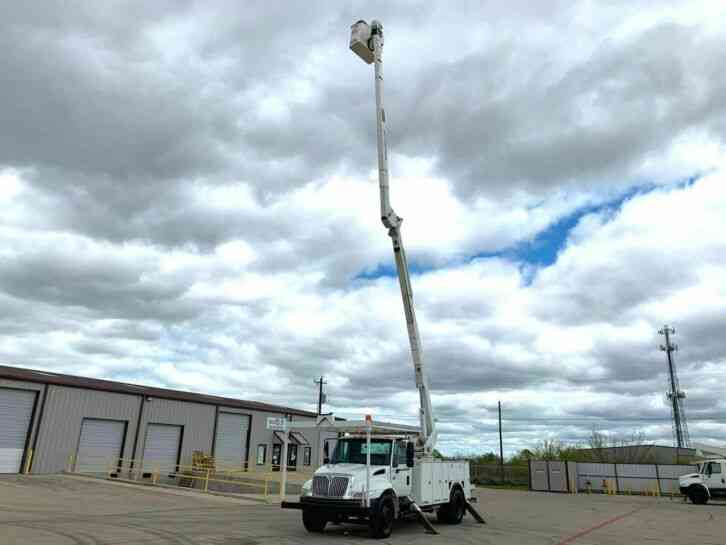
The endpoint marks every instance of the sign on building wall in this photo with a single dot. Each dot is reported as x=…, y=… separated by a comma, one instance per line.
x=275, y=423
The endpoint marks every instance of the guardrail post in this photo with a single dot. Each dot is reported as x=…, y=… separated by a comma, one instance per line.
x=206, y=481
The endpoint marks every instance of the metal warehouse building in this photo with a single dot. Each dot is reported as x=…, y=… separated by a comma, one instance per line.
x=50, y=420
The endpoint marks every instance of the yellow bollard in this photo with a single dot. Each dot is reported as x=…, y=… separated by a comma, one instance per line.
x=28, y=461
x=206, y=482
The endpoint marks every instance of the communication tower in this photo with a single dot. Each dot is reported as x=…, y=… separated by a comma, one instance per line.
x=675, y=395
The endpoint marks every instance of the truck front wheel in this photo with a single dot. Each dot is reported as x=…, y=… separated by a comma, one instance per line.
x=381, y=523
x=314, y=521
x=698, y=495
x=452, y=512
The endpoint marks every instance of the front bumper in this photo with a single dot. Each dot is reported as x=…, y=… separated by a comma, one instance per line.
x=334, y=505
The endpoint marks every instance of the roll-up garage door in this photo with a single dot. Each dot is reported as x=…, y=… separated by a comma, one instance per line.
x=161, y=449
x=100, y=444
x=230, y=445
x=16, y=409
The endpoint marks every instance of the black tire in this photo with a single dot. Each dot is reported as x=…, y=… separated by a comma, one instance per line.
x=381, y=523
x=314, y=521
x=698, y=495
x=452, y=512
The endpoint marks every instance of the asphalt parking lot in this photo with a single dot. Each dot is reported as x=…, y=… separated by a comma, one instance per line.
x=60, y=510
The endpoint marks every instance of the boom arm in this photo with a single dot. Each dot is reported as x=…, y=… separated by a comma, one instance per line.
x=392, y=222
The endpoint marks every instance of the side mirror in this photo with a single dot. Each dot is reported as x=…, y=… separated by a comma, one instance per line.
x=409, y=454
x=326, y=460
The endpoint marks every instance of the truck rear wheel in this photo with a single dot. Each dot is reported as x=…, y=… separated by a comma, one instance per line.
x=452, y=512
x=381, y=523
x=313, y=521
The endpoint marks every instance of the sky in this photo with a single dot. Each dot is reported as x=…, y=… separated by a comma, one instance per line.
x=189, y=196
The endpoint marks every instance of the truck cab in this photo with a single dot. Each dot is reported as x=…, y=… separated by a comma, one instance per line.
x=709, y=482
x=390, y=469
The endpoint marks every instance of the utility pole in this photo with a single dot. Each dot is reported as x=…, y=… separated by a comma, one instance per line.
x=321, y=395
x=501, y=445
x=675, y=395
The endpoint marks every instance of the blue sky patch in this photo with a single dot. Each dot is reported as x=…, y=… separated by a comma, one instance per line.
x=541, y=251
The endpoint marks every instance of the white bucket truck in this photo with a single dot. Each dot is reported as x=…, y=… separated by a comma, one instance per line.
x=709, y=482
x=378, y=471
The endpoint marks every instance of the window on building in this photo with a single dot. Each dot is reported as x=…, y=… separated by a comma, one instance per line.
x=307, y=455
x=261, y=455
x=292, y=457
x=276, y=455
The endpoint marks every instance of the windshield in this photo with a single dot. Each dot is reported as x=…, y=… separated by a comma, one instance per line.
x=353, y=451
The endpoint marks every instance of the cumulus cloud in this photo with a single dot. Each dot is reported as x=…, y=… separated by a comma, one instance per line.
x=189, y=199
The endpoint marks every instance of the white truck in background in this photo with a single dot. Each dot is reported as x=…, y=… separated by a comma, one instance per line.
x=709, y=482
x=378, y=471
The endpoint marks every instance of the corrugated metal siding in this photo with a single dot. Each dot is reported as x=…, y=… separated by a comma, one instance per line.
x=197, y=419
x=65, y=409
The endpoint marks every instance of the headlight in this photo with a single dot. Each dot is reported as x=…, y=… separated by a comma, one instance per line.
x=307, y=489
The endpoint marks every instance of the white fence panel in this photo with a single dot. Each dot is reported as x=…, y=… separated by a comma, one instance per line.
x=558, y=476
x=538, y=475
x=636, y=478
x=669, y=475
x=599, y=477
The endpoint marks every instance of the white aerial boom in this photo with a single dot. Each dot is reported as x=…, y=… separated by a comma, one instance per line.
x=366, y=41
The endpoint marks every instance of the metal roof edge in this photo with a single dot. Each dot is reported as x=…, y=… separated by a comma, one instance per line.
x=59, y=379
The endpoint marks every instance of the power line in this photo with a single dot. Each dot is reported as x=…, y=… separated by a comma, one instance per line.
x=564, y=418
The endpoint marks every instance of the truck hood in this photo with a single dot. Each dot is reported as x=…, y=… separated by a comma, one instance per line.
x=346, y=469
x=691, y=478
x=357, y=475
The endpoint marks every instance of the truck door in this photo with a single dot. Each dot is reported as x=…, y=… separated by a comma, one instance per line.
x=714, y=477
x=400, y=473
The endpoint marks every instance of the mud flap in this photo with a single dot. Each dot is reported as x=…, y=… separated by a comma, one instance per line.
x=423, y=520
x=473, y=512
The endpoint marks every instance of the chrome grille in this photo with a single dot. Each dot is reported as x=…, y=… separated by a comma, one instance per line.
x=320, y=486
x=334, y=487
x=338, y=486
